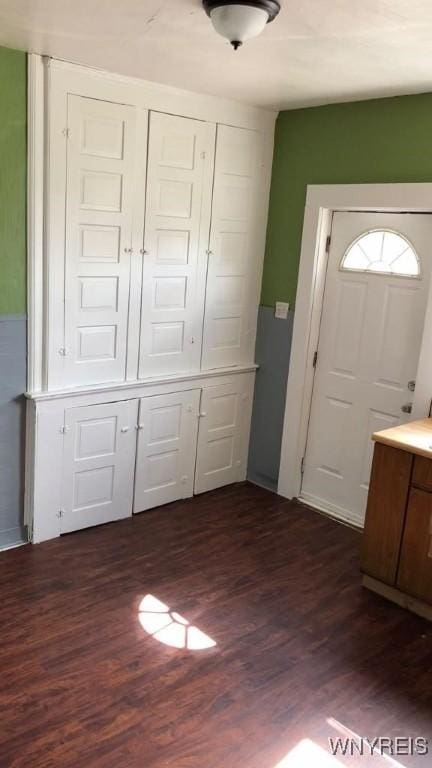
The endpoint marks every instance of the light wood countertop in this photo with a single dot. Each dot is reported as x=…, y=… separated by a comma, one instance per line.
x=415, y=437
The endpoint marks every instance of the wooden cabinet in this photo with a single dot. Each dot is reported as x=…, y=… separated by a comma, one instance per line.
x=415, y=565
x=397, y=541
x=385, y=514
x=422, y=475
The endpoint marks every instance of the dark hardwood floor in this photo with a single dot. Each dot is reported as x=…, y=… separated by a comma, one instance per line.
x=302, y=651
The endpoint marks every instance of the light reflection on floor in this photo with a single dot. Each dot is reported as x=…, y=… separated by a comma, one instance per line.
x=169, y=628
x=307, y=754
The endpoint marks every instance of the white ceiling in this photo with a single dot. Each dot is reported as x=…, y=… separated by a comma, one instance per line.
x=315, y=52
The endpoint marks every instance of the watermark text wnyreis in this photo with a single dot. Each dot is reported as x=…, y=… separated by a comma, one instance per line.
x=398, y=746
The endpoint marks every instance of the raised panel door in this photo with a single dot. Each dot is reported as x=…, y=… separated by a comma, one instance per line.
x=98, y=464
x=167, y=435
x=222, y=436
x=230, y=309
x=101, y=199
x=180, y=167
x=370, y=336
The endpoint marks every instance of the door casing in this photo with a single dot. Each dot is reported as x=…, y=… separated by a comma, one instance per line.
x=321, y=202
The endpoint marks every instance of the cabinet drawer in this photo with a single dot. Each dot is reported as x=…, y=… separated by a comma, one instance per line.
x=422, y=475
x=415, y=566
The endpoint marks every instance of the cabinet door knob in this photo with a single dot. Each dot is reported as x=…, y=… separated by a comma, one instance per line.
x=407, y=408
x=128, y=250
x=203, y=414
x=124, y=429
x=143, y=252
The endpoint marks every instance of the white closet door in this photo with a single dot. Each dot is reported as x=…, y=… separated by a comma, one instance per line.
x=235, y=243
x=223, y=435
x=165, y=465
x=99, y=208
x=98, y=464
x=179, y=178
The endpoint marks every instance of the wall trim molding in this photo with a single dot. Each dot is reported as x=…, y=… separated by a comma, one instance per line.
x=35, y=220
x=123, y=389
x=321, y=202
x=165, y=98
x=13, y=318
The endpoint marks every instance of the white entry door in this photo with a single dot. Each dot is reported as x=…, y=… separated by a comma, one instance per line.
x=369, y=345
x=98, y=464
x=167, y=436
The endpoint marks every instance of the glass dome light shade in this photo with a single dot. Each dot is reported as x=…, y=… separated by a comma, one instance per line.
x=238, y=23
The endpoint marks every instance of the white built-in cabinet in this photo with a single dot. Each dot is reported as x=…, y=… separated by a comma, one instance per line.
x=193, y=206
x=96, y=462
x=142, y=354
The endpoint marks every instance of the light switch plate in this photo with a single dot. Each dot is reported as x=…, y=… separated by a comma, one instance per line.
x=281, y=311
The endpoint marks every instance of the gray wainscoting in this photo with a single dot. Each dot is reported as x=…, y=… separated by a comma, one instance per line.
x=13, y=352
x=272, y=354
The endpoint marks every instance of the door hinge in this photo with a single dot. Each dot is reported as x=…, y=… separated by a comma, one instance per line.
x=302, y=465
x=328, y=241
x=315, y=359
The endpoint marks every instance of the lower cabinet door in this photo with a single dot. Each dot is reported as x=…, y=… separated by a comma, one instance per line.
x=98, y=464
x=223, y=435
x=415, y=566
x=167, y=436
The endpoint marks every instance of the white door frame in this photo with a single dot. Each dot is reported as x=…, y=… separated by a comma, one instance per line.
x=321, y=202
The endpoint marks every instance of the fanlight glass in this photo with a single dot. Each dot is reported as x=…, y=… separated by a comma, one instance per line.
x=382, y=251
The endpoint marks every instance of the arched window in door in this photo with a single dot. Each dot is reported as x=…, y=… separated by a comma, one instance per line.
x=382, y=251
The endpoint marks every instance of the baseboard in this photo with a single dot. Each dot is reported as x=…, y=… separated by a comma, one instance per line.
x=400, y=598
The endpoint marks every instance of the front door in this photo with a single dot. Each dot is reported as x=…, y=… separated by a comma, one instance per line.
x=369, y=344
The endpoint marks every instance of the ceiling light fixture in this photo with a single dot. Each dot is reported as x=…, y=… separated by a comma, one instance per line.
x=239, y=20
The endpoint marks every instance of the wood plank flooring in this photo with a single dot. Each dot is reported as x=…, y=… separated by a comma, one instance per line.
x=302, y=651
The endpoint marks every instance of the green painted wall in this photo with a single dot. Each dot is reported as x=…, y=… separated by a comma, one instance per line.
x=13, y=161
x=384, y=140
